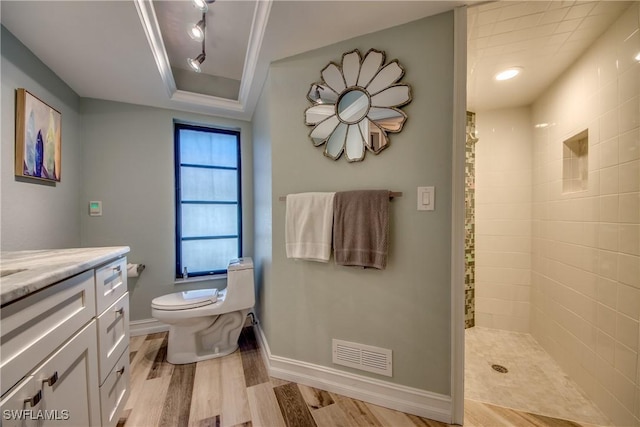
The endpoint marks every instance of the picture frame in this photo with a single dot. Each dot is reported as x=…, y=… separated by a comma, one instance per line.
x=38, y=138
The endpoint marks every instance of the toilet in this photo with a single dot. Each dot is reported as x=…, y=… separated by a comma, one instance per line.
x=206, y=323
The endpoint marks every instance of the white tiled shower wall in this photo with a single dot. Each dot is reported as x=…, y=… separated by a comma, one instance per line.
x=503, y=219
x=585, y=281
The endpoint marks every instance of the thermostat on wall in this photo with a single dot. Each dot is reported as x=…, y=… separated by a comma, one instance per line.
x=95, y=208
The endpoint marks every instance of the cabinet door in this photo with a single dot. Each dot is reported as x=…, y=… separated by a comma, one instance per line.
x=69, y=381
x=113, y=335
x=21, y=405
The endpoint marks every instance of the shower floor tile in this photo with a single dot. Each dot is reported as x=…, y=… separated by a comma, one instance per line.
x=534, y=382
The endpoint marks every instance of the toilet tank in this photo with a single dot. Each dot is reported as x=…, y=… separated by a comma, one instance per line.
x=240, y=284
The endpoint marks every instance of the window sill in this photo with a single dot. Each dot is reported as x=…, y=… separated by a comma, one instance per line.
x=199, y=279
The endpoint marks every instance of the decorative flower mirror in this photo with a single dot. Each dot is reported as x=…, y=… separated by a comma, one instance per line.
x=356, y=105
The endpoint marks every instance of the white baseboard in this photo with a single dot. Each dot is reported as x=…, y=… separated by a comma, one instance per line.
x=146, y=326
x=401, y=398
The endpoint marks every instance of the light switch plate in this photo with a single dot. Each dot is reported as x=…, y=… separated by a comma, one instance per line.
x=426, y=198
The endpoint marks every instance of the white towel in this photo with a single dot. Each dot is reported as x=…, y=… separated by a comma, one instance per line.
x=309, y=225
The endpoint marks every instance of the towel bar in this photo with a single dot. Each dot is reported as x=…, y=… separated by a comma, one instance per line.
x=392, y=194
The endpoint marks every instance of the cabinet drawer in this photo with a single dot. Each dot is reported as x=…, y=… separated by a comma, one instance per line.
x=111, y=283
x=115, y=391
x=15, y=406
x=113, y=334
x=35, y=326
x=69, y=382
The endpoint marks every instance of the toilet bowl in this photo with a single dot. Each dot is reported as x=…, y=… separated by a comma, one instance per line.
x=206, y=323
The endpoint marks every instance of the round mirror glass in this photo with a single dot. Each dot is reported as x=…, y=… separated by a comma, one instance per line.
x=353, y=106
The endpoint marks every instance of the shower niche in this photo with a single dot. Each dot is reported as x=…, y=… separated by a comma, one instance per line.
x=575, y=163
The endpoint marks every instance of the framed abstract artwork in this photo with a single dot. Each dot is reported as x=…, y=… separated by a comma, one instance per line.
x=38, y=138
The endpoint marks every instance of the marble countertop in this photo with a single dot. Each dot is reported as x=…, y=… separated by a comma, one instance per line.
x=25, y=272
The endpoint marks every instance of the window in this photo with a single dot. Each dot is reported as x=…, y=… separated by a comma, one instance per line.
x=208, y=209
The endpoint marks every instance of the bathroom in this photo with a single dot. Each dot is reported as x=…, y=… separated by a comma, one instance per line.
x=120, y=152
x=556, y=222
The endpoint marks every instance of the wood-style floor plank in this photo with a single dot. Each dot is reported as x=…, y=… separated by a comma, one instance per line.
x=148, y=408
x=252, y=364
x=425, y=422
x=207, y=422
x=206, y=401
x=175, y=412
x=123, y=418
x=265, y=411
x=314, y=397
x=160, y=366
x=331, y=416
x=156, y=336
x=389, y=417
x=216, y=393
x=357, y=412
x=235, y=404
x=136, y=342
x=293, y=407
x=277, y=381
x=478, y=414
x=139, y=369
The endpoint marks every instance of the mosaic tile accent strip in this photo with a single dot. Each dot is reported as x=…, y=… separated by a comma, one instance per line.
x=469, y=222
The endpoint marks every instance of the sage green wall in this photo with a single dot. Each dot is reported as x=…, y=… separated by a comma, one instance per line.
x=37, y=215
x=262, y=202
x=406, y=307
x=128, y=158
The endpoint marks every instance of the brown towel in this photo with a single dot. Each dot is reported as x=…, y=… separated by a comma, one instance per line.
x=361, y=228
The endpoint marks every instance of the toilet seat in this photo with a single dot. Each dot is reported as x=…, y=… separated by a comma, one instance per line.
x=185, y=300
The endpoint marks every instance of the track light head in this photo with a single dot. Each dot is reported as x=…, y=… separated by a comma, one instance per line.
x=197, y=31
x=201, y=5
x=195, y=63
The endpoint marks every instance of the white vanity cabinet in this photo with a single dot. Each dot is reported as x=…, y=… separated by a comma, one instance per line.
x=64, y=363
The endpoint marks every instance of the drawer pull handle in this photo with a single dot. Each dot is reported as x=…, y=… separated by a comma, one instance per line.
x=52, y=379
x=120, y=311
x=120, y=371
x=33, y=401
x=117, y=268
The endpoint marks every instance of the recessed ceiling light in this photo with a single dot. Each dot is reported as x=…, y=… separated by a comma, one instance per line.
x=637, y=57
x=509, y=73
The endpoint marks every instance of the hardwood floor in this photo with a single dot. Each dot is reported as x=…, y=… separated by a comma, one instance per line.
x=236, y=390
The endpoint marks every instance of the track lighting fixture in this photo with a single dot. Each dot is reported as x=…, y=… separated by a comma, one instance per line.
x=198, y=33
x=194, y=63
